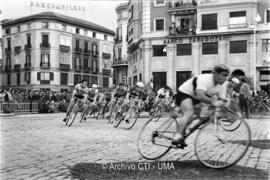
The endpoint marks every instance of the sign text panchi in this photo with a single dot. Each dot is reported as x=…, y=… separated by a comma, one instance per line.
x=194, y=39
x=57, y=6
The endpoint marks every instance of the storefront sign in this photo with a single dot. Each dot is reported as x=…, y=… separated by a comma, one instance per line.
x=196, y=39
x=57, y=6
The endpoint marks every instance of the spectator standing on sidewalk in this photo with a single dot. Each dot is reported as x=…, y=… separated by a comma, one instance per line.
x=244, y=97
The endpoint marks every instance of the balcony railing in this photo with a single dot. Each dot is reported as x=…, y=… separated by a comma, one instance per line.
x=64, y=48
x=87, y=69
x=106, y=72
x=182, y=5
x=76, y=67
x=27, y=47
x=8, y=67
x=64, y=66
x=86, y=51
x=95, y=53
x=119, y=62
x=95, y=70
x=27, y=65
x=78, y=50
x=8, y=49
x=45, y=65
x=17, y=49
x=106, y=55
x=186, y=30
x=17, y=67
x=44, y=46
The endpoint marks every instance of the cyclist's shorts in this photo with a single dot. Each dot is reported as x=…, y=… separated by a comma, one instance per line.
x=79, y=96
x=90, y=99
x=180, y=97
x=108, y=99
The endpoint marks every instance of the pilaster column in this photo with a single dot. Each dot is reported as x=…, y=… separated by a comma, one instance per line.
x=195, y=61
x=222, y=52
x=147, y=60
x=171, y=66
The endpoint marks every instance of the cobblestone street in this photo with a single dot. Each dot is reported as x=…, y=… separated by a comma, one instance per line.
x=39, y=146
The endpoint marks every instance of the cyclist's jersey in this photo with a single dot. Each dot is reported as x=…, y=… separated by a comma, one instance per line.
x=142, y=93
x=162, y=94
x=80, y=92
x=120, y=91
x=204, y=82
x=92, y=93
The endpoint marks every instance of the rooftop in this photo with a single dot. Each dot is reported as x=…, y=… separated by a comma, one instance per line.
x=59, y=17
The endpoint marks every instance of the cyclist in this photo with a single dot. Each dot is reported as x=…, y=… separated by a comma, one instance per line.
x=80, y=92
x=202, y=88
x=92, y=99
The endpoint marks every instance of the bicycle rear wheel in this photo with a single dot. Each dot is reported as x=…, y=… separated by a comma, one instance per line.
x=132, y=119
x=117, y=120
x=218, y=148
x=155, y=138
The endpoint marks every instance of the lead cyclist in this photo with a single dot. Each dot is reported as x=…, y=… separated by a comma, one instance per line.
x=80, y=92
x=203, y=88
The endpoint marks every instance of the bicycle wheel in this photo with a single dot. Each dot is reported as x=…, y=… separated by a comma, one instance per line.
x=218, y=148
x=156, y=113
x=261, y=109
x=130, y=121
x=155, y=138
x=117, y=120
x=72, y=116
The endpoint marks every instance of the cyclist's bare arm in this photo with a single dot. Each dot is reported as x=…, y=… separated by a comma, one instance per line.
x=201, y=96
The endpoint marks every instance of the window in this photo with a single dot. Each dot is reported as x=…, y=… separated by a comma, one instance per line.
x=159, y=50
x=159, y=2
x=45, y=39
x=28, y=37
x=210, y=48
x=183, y=49
x=8, y=61
x=94, y=47
x=105, y=37
x=63, y=78
x=77, y=30
x=119, y=34
x=94, y=65
x=28, y=26
x=266, y=45
x=119, y=52
x=267, y=16
x=77, y=45
x=18, y=78
x=45, y=58
x=7, y=30
x=94, y=34
x=28, y=59
x=44, y=76
x=85, y=32
x=159, y=24
x=238, y=46
x=18, y=28
x=77, y=63
x=86, y=45
x=65, y=40
x=45, y=25
x=64, y=58
x=64, y=27
x=8, y=43
x=77, y=78
x=85, y=63
x=209, y=21
x=27, y=77
x=105, y=82
x=8, y=79
x=238, y=19
x=265, y=75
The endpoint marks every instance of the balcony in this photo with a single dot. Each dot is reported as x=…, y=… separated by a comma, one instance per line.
x=45, y=65
x=27, y=47
x=86, y=51
x=184, y=30
x=87, y=69
x=45, y=46
x=17, y=49
x=106, y=72
x=117, y=40
x=7, y=50
x=45, y=82
x=64, y=48
x=17, y=67
x=7, y=67
x=64, y=66
x=95, y=53
x=180, y=5
x=95, y=70
x=77, y=50
x=106, y=56
x=78, y=68
x=119, y=62
x=27, y=66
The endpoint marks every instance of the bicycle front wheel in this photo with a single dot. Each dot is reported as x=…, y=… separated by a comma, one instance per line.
x=71, y=118
x=133, y=115
x=155, y=138
x=218, y=148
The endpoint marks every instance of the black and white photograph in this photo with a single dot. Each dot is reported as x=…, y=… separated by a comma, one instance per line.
x=134, y=89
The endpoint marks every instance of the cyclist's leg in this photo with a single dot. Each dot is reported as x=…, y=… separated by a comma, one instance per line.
x=187, y=108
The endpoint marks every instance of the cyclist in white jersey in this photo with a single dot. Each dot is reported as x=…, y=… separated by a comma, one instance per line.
x=202, y=88
x=80, y=92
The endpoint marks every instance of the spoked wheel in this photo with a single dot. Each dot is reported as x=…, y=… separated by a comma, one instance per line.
x=155, y=137
x=131, y=117
x=218, y=148
x=83, y=116
x=72, y=116
x=156, y=113
x=117, y=120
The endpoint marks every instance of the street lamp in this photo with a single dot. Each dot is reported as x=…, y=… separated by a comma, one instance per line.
x=254, y=27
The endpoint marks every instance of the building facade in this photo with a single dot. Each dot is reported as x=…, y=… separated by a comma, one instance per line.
x=170, y=41
x=120, y=63
x=54, y=51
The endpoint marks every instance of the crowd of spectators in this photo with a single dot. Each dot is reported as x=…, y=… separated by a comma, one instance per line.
x=47, y=100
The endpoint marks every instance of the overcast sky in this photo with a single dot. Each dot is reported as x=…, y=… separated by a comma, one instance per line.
x=101, y=12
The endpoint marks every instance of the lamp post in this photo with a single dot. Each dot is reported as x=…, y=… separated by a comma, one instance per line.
x=257, y=19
